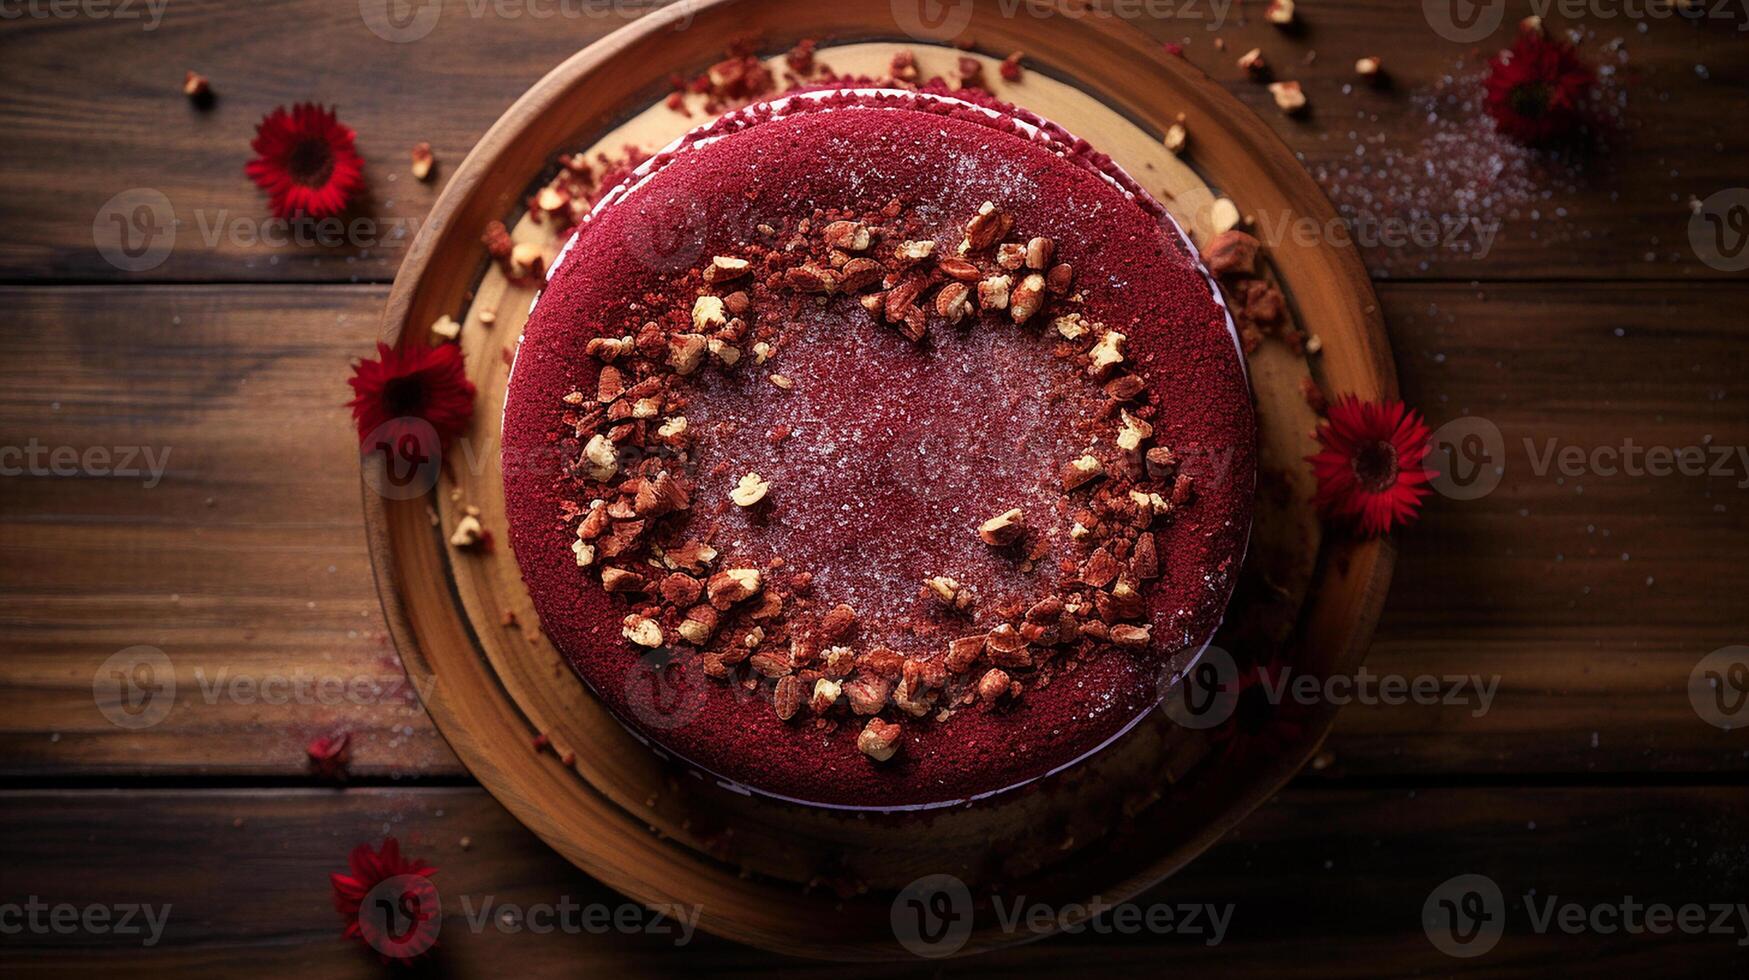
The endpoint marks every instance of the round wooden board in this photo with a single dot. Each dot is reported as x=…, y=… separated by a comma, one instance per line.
x=465, y=627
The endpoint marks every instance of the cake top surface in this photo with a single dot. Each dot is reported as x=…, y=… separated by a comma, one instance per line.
x=877, y=449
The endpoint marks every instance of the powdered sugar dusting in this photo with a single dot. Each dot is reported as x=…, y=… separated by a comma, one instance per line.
x=872, y=494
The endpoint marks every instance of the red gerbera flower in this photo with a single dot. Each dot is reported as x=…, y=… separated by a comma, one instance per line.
x=1370, y=468
x=305, y=161
x=388, y=901
x=413, y=383
x=1537, y=90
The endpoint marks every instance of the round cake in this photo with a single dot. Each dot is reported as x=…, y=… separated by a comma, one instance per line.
x=875, y=448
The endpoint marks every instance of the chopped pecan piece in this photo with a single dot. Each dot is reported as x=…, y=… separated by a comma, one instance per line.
x=686, y=351
x=750, y=490
x=786, y=698
x=851, y=236
x=772, y=662
x=859, y=274
x=680, y=589
x=963, y=652
x=1132, y=433
x=1007, y=647
x=1134, y=637
x=1028, y=297
x=1039, y=252
x=1058, y=280
x=1145, y=558
x=693, y=556
x=724, y=268
x=953, y=302
x=959, y=269
x=1232, y=253
x=826, y=692
x=643, y=631
x=1003, y=529
x=993, y=293
x=950, y=593
x=1107, y=353
x=810, y=278
x=621, y=580
x=1082, y=471
x=993, y=684
x=837, y=623
x=734, y=585
x=867, y=693
x=986, y=228
x=879, y=739
x=700, y=624
x=914, y=251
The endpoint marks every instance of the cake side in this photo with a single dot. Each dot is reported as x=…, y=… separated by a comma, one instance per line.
x=883, y=455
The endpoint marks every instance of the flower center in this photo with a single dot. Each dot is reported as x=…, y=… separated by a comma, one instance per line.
x=404, y=396
x=311, y=162
x=1530, y=99
x=1375, y=466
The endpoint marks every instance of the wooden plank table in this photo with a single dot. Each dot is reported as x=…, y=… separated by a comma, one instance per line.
x=1591, y=596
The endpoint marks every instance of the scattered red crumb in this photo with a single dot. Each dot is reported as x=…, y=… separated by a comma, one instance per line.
x=971, y=74
x=1011, y=68
x=329, y=755
x=741, y=77
x=801, y=57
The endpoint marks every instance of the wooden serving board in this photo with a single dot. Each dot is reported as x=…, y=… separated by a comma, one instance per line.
x=782, y=877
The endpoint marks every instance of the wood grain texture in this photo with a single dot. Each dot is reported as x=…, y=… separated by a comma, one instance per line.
x=119, y=122
x=246, y=391
x=1365, y=851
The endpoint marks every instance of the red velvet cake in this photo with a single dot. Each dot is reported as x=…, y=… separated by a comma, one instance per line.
x=879, y=449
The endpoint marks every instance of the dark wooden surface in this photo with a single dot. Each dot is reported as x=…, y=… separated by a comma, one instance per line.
x=1591, y=598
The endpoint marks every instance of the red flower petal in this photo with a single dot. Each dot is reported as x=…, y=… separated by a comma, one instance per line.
x=1370, y=471
x=306, y=162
